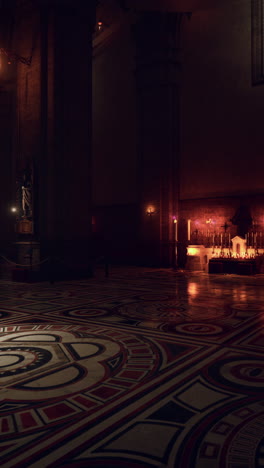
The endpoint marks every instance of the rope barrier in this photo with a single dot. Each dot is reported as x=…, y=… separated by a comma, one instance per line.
x=40, y=263
x=57, y=261
x=24, y=265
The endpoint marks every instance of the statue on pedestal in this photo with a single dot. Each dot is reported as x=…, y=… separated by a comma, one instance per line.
x=26, y=189
x=25, y=222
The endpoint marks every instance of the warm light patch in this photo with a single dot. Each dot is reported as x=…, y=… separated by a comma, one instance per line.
x=13, y=209
x=192, y=251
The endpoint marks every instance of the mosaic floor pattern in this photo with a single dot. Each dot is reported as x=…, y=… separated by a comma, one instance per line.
x=145, y=368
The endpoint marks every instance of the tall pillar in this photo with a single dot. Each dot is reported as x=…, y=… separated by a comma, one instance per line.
x=54, y=110
x=158, y=75
x=7, y=103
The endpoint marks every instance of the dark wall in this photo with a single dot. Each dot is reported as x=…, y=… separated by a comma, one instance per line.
x=115, y=231
x=115, y=158
x=115, y=165
x=222, y=113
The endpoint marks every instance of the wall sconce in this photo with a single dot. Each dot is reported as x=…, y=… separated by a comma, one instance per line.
x=101, y=27
x=150, y=211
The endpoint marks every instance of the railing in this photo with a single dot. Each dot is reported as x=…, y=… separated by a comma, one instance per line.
x=219, y=239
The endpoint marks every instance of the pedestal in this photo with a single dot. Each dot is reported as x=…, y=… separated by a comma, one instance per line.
x=27, y=267
x=28, y=254
x=25, y=226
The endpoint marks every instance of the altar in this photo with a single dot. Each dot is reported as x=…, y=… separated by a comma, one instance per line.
x=238, y=257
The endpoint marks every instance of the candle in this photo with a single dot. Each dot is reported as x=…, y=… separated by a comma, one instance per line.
x=189, y=229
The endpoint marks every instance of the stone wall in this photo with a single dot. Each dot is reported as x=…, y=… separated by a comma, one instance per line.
x=222, y=147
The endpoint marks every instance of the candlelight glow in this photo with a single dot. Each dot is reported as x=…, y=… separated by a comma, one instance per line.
x=226, y=253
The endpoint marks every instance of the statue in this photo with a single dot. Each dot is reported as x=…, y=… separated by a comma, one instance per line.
x=243, y=220
x=26, y=188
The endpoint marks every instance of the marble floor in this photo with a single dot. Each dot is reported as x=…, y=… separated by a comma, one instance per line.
x=145, y=368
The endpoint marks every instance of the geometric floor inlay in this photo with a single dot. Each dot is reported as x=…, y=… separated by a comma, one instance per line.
x=145, y=368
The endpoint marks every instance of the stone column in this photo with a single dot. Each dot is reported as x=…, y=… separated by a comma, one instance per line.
x=56, y=91
x=158, y=75
x=7, y=104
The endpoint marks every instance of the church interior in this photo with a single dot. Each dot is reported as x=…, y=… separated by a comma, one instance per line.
x=132, y=233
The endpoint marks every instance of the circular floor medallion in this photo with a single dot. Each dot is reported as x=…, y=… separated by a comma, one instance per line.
x=244, y=373
x=21, y=359
x=198, y=329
